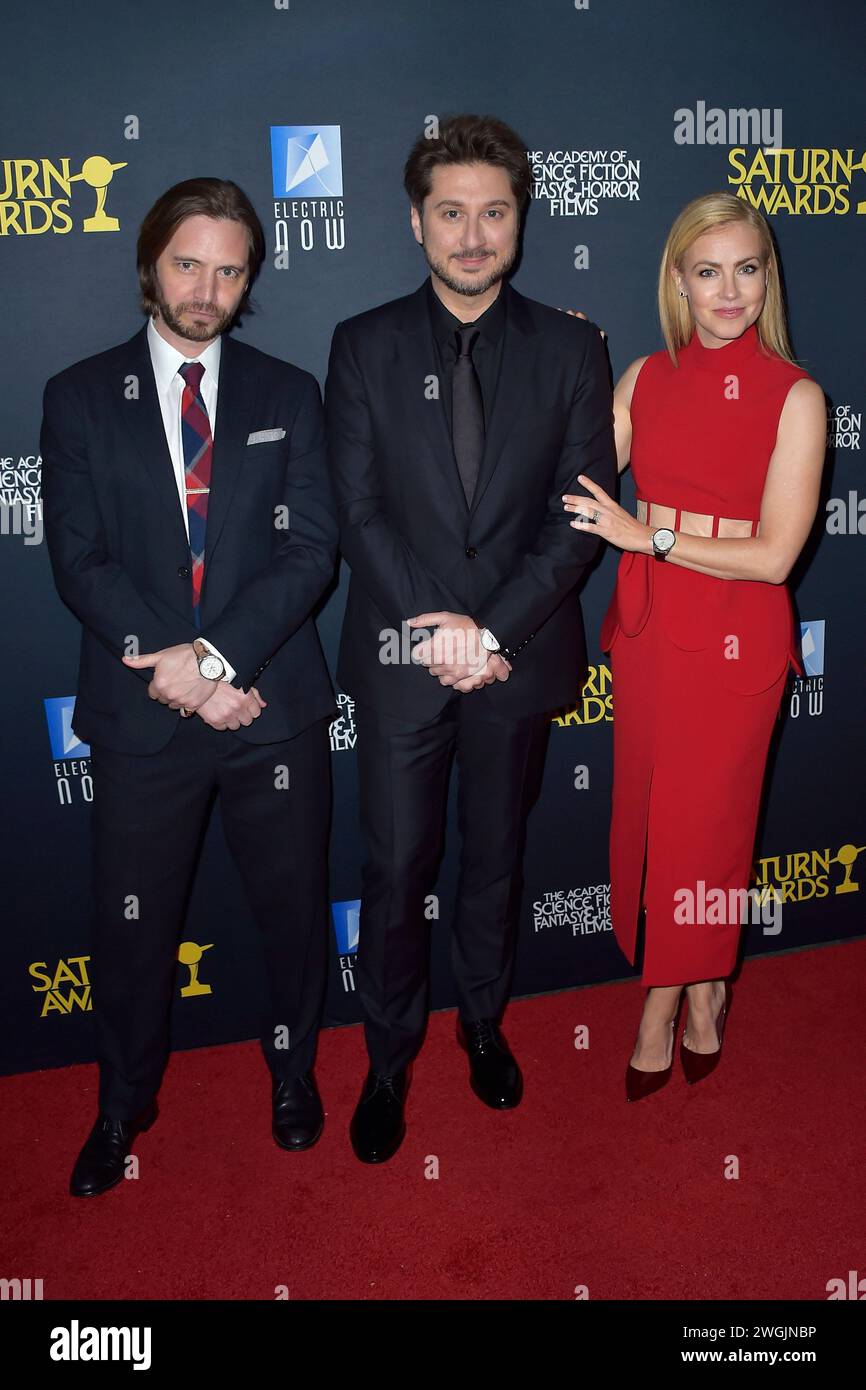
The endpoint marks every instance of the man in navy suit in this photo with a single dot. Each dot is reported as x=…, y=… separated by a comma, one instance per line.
x=457, y=417
x=192, y=530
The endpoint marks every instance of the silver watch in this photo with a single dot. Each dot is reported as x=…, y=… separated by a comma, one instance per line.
x=210, y=666
x=488, y=641
x=663, y=542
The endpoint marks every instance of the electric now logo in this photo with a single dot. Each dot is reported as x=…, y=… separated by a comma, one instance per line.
x=76, y=1343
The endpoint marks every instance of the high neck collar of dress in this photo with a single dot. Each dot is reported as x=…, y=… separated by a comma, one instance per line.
x=722, y=359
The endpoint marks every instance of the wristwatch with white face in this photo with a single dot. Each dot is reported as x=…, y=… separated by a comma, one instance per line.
x=488, y=641
x=663, y=542
x=209, y=665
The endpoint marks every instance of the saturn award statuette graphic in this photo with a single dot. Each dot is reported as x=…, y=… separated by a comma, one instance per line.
x=98, y=172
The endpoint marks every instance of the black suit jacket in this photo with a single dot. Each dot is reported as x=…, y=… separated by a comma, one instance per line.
x=120, y=554
x=511, y=560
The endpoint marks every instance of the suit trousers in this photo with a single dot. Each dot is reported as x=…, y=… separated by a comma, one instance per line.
x=404, y=769
x=149, y=818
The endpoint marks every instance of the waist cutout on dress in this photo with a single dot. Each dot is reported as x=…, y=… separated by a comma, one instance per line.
x=657, y=515
x=745, y=627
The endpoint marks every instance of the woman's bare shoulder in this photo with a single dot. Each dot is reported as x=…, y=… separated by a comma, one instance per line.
x=626, y=384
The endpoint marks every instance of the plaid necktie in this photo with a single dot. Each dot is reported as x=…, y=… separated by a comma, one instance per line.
x=197, y=455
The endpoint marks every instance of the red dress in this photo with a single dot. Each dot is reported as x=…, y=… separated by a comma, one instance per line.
x=698, y=663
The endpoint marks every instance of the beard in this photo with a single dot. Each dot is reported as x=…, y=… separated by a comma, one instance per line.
x=475, y=287
x=195, y=332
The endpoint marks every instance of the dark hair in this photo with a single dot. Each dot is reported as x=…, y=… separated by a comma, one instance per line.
x=468, y=140
x=218, y=198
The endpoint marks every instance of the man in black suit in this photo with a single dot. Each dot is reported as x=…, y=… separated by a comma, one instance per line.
x=193, y=543
x=457, y=417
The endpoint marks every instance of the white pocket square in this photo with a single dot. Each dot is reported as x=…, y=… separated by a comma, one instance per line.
x=265, y=436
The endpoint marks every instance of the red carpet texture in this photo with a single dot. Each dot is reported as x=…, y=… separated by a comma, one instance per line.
x=574, y=1190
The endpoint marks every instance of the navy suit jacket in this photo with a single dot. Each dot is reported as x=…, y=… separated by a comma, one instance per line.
x=120, y=555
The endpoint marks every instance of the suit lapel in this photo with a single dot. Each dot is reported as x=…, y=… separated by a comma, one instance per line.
x=144, y=421
x=418, y=363
x=234, y=421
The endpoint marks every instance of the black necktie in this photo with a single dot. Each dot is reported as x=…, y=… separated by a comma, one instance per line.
x=467, y=412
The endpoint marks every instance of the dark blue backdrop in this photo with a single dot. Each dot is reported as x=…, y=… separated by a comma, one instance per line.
x=628, y=110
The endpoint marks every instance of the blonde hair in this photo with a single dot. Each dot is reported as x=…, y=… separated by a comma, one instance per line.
x=701, y=215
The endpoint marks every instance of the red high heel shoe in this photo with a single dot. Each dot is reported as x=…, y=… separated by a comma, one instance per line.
x=698, y=1065
x=639, y=1084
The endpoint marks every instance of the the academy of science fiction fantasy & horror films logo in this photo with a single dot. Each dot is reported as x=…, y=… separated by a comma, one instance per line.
x=575, y=183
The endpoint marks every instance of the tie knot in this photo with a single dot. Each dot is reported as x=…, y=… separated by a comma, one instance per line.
x=192, y=373
x=466, y=338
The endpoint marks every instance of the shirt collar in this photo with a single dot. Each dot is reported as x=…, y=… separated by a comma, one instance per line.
x=166, y=359
x=491, y=322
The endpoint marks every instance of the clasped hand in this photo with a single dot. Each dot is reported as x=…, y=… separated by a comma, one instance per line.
x=178, y=683
x=454, y=653
x=602, y=514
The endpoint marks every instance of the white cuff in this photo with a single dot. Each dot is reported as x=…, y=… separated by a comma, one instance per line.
x=230, y=671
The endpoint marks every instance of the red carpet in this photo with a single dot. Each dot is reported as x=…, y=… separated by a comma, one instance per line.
x=575, y=1187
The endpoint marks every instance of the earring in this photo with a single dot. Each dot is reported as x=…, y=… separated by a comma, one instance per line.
x=683, y=294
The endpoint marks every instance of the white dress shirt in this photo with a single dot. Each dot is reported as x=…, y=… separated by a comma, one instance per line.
x=169, y=389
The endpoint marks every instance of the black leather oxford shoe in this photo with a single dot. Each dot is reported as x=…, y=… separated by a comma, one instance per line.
x=298, y=1117
x=493, y=1073
x=378, y=1128
x=100, y=1164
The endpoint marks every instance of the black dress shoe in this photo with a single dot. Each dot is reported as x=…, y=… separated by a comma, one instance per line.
x=493, y=1073
x=100, y=1164
x=378, y=1128
x=298, y=1115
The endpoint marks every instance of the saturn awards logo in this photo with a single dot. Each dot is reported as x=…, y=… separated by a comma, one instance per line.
x=805, y=875
x=800, y=182
x=63, y=988
x=66, y=986
x=595, y=702
x=307, y=174
x=37, y=195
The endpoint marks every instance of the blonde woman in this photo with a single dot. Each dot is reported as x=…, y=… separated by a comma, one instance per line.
x=726, y=438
